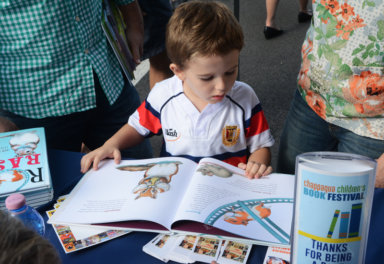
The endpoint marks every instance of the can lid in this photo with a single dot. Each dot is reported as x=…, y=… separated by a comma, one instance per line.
x=15, y=201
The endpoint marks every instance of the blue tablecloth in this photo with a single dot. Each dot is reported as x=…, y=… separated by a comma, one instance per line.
x=65, y=172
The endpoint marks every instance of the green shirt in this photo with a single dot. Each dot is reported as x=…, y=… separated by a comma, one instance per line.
x=48, y=51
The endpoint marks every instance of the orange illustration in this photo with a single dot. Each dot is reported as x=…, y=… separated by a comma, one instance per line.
x=263, y=212
x=18, y=176
x=238, y=218
x=11, y=177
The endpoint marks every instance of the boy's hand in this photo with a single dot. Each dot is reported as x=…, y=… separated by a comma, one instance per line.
x=99, y=154
x=255, y=170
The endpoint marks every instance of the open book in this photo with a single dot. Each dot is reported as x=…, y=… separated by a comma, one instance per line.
x=176, y=194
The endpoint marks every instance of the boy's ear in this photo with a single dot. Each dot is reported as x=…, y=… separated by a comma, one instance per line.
x=177, y=71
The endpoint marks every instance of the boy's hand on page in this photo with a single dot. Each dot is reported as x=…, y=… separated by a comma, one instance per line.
x=98, y=155
x=255, y=170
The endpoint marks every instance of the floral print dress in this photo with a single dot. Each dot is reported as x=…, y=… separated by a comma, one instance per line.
x=342, y=72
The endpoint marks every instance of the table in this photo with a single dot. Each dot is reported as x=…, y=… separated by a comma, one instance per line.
x=65, y=173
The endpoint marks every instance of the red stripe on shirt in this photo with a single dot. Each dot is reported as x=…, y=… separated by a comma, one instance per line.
x=148, y=120
x=236, y=160
x=258, y=125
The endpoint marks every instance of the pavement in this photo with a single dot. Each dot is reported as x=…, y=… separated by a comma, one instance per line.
x=269, y=66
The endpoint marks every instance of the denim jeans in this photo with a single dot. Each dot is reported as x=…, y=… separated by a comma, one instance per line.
x=305, y=131
x=92, y=127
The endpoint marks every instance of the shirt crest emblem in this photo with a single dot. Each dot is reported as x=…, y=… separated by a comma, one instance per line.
x=230, y=135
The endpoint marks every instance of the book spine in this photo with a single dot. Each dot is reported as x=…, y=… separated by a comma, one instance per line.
x=344, y=221
x=333, y=223
x=355, y=220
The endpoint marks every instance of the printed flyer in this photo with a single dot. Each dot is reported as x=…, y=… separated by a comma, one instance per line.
x=334, y=194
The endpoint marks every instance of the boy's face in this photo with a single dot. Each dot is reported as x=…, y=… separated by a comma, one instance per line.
x=206, y=80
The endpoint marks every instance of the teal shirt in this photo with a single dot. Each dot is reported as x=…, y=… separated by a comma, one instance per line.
x=48, y=51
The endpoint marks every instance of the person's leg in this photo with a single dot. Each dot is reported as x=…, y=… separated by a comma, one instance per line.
x=304, y=131
x=270, y=28
x=156, y=14
x=303, y=5
x=305, y=14
x=352, y=143
x=107, y=119
x=159, y=68
x=271, y=6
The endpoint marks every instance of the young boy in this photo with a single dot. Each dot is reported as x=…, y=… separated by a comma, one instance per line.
x=202, y=111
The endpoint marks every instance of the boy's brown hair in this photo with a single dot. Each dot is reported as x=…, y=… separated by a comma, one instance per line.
x=202, y=27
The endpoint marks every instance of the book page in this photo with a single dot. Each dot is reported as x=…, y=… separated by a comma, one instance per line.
x=148, y=189
x=258, y=209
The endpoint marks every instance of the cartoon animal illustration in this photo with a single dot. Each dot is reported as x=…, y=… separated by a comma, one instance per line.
x=11, y=176
x=157, y=177
x=262, y=211
x=24, y=143
x=238, y=217
x=210, y=169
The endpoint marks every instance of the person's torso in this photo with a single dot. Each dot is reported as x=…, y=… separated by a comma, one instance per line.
x=342, y=77
x=49, y=50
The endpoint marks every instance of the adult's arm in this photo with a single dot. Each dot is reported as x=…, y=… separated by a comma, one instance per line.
x=380, y=172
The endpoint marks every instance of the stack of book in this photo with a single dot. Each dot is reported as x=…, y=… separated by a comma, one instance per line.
x=24, y=167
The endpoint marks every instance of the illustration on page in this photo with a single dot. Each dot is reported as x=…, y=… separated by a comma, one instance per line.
x=157, y=177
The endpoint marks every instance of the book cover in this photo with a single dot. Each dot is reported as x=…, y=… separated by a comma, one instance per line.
x=277, y=255
x=176, y=194
x=333, y=200
x=113, y=26
x=24, y=165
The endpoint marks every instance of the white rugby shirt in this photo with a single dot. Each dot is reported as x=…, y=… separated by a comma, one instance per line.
x=228, y=130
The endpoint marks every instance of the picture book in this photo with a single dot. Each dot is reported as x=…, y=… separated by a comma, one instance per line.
x=176, y=194
x=277, y=255
x=74, y=238
x=333, y=201
x=24, y=166
x=114, y=29
x=190, y=248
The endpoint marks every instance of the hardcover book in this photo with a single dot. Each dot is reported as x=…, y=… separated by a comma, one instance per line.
x=114, y=29
x=177, y=195
x=24, y=166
